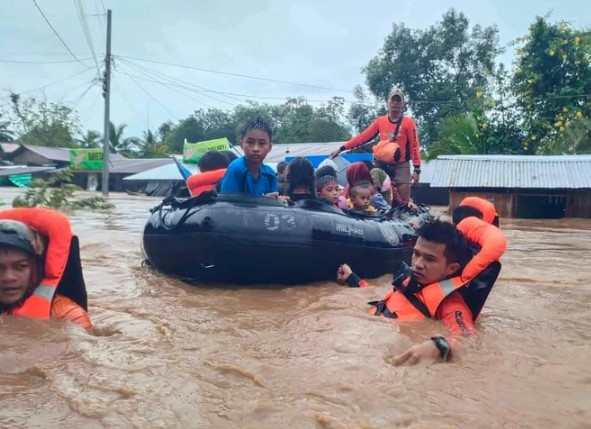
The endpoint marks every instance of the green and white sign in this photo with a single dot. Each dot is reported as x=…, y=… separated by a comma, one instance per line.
x=192, y=152
x=86, y=159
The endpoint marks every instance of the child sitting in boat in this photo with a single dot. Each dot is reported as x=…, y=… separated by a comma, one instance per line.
x=300, y=180
x=330, y=169
x=327, y=189
x=248, y=174
x=212, y=167
x=360, y=197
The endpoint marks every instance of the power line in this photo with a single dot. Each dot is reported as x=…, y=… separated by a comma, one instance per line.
x=49, y=84
x=237, y=75
x=57, y=34
x=156, y=100
x=203, y=89
x=128, y=103
x=43, y=62
x=80, y=12
x=153, y=73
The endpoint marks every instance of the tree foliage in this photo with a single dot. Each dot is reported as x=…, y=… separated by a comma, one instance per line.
x=552, y=83
x=41, y=123
x=440, y=68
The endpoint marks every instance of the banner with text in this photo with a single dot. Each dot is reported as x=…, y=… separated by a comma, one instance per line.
x=192, y=152
x=86, y=159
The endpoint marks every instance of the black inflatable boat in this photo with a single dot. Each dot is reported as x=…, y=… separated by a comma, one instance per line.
x=247, y=239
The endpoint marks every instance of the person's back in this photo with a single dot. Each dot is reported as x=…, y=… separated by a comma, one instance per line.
x=212, y=167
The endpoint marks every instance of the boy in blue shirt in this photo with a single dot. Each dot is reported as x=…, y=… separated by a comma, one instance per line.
x=248, y=174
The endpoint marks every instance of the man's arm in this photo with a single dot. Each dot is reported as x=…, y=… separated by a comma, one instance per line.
x=457, y=318
x=415, y=146
x=345, y=275
x=368, y=134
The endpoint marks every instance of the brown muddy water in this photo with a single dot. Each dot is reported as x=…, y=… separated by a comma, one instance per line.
x=169, y=355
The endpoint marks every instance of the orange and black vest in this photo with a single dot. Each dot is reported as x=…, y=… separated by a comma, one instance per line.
x=56, y=227
x=408, y=306
x=489, y=213
x=201, y=182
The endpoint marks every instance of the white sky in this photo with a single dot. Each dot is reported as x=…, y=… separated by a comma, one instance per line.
x=315, y=42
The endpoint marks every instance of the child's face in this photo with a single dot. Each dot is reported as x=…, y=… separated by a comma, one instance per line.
x=362, y=199
x=330, y=192
x=256, y=144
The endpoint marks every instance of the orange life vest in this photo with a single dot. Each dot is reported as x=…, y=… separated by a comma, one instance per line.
x=417, y=306
x=201, y=182
x=56, y=227
x=483, y=206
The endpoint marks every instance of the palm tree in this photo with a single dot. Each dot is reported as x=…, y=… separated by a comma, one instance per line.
x=92, y=139
x=125, y=146
x=6, y=135
x=152, y=147
x=458, y=135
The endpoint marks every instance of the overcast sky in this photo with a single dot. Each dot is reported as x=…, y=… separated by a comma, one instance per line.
x=323, y=43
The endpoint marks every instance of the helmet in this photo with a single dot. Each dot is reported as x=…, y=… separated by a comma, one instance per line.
x=17, y=234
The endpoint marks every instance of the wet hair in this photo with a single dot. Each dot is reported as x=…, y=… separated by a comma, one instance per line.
x=462, y=212
x=300, y=173
x=456, y=245
x=213, y=160
x=326, y=170
x=281, y=167
x=230, y=154
x=326, y=180
x=362, y=184
x=257, y=124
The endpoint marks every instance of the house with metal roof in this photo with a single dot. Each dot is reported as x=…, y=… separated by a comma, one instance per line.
x=520, y=186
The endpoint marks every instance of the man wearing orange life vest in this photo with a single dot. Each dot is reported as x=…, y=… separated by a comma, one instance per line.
x=398, y=144
x=441, y=284
x=35, y=253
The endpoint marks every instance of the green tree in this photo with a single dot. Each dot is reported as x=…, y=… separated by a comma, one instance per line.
x=152, y=147
x=551, y=81
x=458, y=135
x=6, y=133
x=440, y=68
x=42, y=123
x=365, y=109
x=126, y=146
x=91, y=139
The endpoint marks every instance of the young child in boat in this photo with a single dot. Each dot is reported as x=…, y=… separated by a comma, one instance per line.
x=360, y=197
x=248, y=174
x=327, y=189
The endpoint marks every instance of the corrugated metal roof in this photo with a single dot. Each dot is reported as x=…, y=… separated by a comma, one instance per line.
x=512, y=171
x=280, y=151
x=22, y=169
x=164, y=172
x=121, y=165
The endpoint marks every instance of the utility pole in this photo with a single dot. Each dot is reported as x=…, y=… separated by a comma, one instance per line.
x=107, y=96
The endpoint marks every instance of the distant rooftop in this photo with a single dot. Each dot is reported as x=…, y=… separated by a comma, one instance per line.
x=512, y=171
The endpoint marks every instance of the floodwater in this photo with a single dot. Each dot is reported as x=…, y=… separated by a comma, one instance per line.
x=169, y=355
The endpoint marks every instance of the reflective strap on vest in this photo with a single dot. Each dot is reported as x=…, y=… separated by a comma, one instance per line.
x=435, y=293
x=38, y=305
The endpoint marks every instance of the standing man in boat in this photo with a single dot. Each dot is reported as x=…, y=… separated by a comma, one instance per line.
x=445, y=282
x=398, y=144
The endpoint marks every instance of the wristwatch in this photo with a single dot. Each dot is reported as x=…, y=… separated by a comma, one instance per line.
x=443, y=346
x=417, y=170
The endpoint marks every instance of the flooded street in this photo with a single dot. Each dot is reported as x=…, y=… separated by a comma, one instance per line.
x=169, y=355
